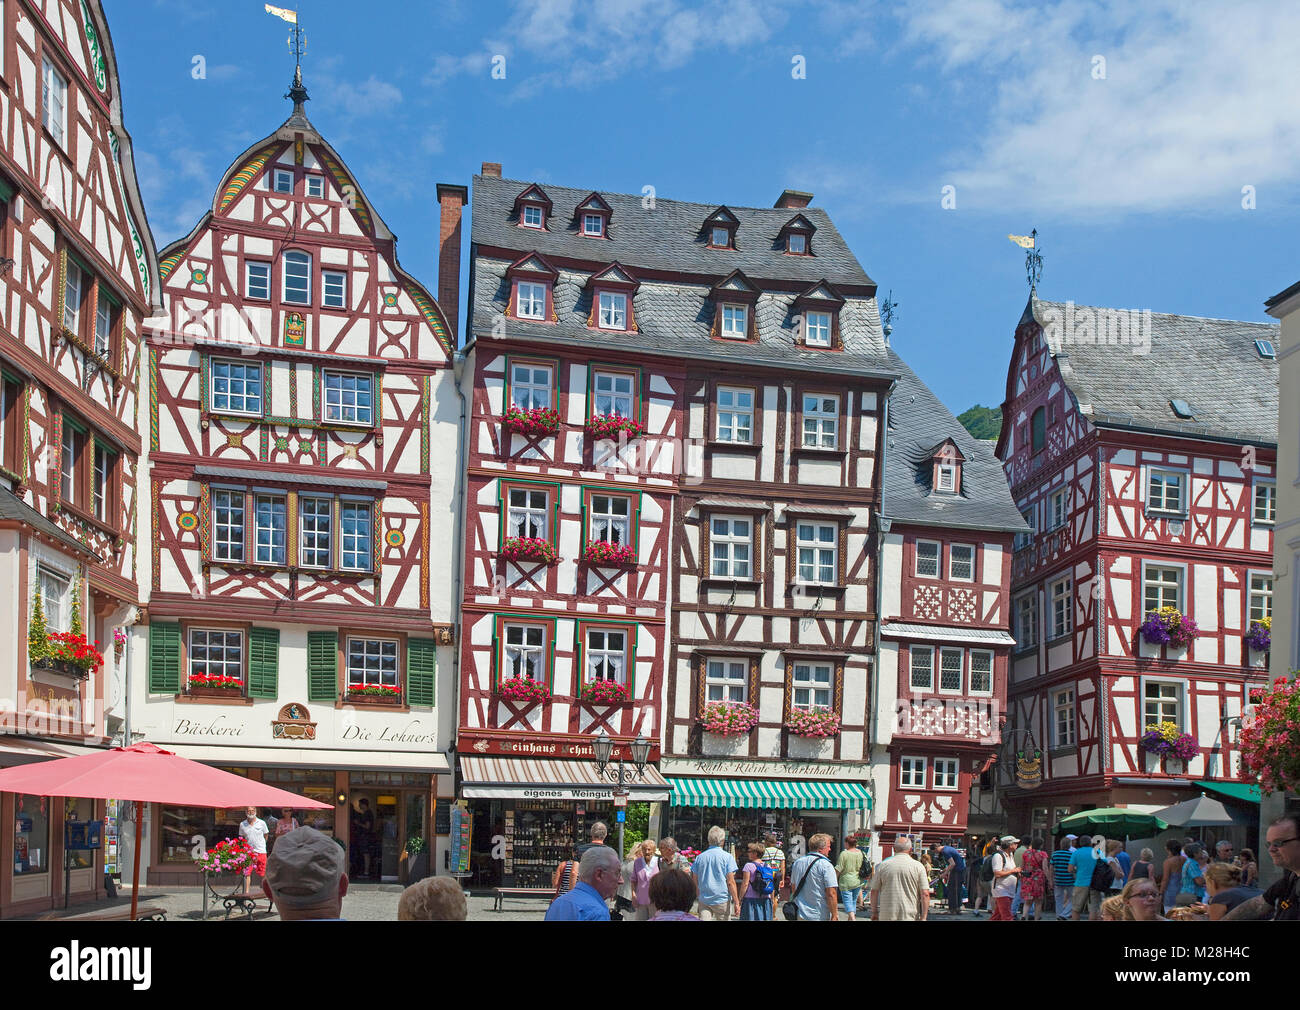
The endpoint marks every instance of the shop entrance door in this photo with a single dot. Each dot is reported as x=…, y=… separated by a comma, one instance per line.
x=388, y=828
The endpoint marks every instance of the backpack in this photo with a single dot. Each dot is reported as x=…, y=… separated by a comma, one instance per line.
x=1103, y=875
x=761, y=880
x=986, y=869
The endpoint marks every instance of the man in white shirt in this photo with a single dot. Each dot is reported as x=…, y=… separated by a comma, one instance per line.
x=253, y=830
x=1006, y=875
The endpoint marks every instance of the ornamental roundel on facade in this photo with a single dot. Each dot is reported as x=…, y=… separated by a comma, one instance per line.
x=281, y=443
x=188, y=521
x=199, y=275
x=395, y=538
x=961, y=605
x=306, y=445
x=390, y=299
x=927, y=601
x=294, y=723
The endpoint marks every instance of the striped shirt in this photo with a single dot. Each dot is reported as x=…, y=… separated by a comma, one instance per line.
x=1062, y=875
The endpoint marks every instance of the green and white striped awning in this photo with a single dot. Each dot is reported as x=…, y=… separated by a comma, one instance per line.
x=769, y=794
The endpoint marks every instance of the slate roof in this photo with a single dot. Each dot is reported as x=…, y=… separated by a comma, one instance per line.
x=14, y=508
x=918, y=422
x=1210, y=363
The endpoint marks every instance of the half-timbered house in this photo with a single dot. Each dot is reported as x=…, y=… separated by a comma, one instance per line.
x=78, y=277
x=1140, y=448
x=303, y=425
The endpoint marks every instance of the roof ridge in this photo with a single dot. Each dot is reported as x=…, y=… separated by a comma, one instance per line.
x=791, y=212
x=1169, y=315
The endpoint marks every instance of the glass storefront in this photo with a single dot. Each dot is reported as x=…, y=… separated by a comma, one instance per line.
x=31, y=834
x=180, y=826
x=79, y=810
x=689, y=826
x=386, y=809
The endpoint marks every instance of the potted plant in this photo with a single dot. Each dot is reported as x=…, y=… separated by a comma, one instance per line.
x=414, y=863
x=1260, y=634
x=607, y=555
x=213, y=685
x=523, y=689
x=611, y=426
x=815, y=723
x=232, y=855
x=604, y=692
x=728, y=718
x=374, y=694
x=1167, y=626
x=65, y=652
x=529, y=549
x=535, y=421
x=1270, y=739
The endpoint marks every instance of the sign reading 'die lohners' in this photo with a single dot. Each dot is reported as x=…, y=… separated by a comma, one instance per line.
x=413, y=733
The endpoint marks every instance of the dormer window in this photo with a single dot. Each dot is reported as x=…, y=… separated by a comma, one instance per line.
x=593, y=225
x=796, y=236
x=721, y=239
x=531, y=216
x=735, y=322
x=531, y=300
x=533, y=207
x=592, y=216
x=613, y=310
x=817, y=317
x=532, y=280
x=735, y=298
x=796, y=243
x=720, y=229
x=946, y=478
x=611, y=299
x=946, y=460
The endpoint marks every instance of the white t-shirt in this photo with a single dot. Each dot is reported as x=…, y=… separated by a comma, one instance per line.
x=254, y=834
x=1004, y=887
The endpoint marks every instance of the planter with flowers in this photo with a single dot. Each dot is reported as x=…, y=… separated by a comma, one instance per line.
x=65, y=652
x=1164, y=743
x=606, y=555
x=1270, y=740
x=119, y=641
x=534, y=422
x=726, y=726
x=605, y=692
x=232, y=855
x=689, y=854
x=1259, y=636
x=529, y=549
x=523, y=689
x=1167, y=626
x=213, y=685
x=813, y=723
x=374, y=694
x=612, y=426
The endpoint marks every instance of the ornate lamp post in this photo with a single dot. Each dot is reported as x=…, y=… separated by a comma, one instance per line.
x=604, y=747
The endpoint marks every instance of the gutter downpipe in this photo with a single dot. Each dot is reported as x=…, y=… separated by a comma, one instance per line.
x=880, y=587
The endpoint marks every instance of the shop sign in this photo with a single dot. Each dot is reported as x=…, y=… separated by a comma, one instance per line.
x=760, y=769
x=414, y=732
x=548, y=791
x=217, y=726
x=1029, y=769
x=543, y=748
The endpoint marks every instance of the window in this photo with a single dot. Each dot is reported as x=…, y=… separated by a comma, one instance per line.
x=76, y=283
x=71, y=475
x=720, y=238
x=56, y=598
x=1062, y=614
x=613, y=310
x=355, y=520
x=257, y=279
x=523, y=651
x=227, y=526
x=532, y=217
x=283, y=181
x=1038, y=428
x=607, y=655
x=270, y=516
x=911, y=772
x=981, y=672
x=1165, y=491
x=961, y=563
x=1162, y=702
x=821, y=420
x=946, y=480
x=102, y=483
x=811, y=686
x=593, y=224
x=348, y=397
x=106, y=313
x=1261, y=596
x=11, y=440
x=611, y=521
x=726, y=680
x=927, y=559
x=315, y=526
x=54, y=101
x=818, y=546
x=796, y=243
x=1058, y=508
x=532, y=300
x=1265, y=501
x=1162, y=587
x=735, y=414
x=214, y=653
x=735, y=322
x=922, y=666
x=1063, y=718
x=945, y=773
x=614, y=394
x=334, y=287
x=372, y=662
x=527, y=514
x=1027, y=621
x=316, y=186
x=297, y=278
x=730, y=540
x=1023, y=540
x=951, y=662
x=817, y=329
x=530, y=387
x=237, y=387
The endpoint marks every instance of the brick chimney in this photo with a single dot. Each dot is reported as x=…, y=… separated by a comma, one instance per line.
x=492, y=169
x=451, y=200
x=789, y=199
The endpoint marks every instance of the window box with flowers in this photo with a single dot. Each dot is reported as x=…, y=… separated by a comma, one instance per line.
x=373, y=694
x=535, y=421
x=728, y=718
x=1165, y=743
x=605, y=692
x=1270, y=741
x=607, y=555
x=529, y=549
x=64, y=652
x=1167, y=626
x=612, y=426
x=213, y=685
x=523, y=689
x=813, y=723
x=1259, y=636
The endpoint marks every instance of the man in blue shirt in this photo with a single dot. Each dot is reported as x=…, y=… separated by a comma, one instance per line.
x=954, y=872
x=599, y=875
x=1084, y=897
x=715, y=876
x=1125, y=863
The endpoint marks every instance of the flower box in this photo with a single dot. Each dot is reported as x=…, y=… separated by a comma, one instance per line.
x=535, y=421
x=604, y=692
x=374, y=694
x=209, y=691
x=523, y=689
x=607, y=555
x=66, y=652
x=1270, y=739
x=61, y=666
x=611, y=426
x=815, y=723
x=728, y=718
x=1164, y=740
x=529, y=549
x=1260, y=635
x=1167, y=626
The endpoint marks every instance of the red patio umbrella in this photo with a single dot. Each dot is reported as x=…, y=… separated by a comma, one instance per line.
x=146, y=773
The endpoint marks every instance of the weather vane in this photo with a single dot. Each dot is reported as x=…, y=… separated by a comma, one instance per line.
x=888, y=308
x=1033, y=257
x=297, y=43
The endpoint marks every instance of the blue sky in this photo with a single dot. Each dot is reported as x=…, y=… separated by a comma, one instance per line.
x=1124, y=133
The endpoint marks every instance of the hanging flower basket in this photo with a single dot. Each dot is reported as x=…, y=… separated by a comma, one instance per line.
x=1167, y=626
x=1270, y=742
x=1260, y=635
x=599, y=552
x=611, y=426
x=816, y=723
x=523, y=689
x=728, y=718
x=233, y=855
x=1164, y=739
x=529, y=549
x=604, y=692
x=535, y=421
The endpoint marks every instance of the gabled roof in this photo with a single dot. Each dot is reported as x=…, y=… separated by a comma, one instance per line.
x=798, y=223
x=615, y=273
x=534, y=194
x=532, y=263
x=821, y=292
x=721, y=215
x=954, y=456
x=735, y=283
x=593, y=201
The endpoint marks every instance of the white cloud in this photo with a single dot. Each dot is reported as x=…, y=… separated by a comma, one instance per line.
x=367, y=99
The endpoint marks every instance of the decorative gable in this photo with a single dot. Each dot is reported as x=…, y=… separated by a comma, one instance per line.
x=532, y=265
x=615, y=276
x=532, y=208
x=795, y=237
x=946, y=465
x=592, y=216
x=817, y=317
x=734, y=299
x=720, y=229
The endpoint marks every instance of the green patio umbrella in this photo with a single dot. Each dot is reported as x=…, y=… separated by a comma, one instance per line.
x=1116, y=822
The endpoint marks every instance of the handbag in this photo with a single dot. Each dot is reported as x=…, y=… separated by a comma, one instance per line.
x=791, y=909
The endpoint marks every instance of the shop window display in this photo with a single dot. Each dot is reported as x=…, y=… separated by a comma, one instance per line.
x=31, y=834
x=181, y=824
x=79, y=810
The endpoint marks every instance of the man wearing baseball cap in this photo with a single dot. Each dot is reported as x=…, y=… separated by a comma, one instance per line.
x=1005, y=877
x=305, y=878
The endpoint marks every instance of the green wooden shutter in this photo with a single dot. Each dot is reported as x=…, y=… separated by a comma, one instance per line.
x=322, y=666
x=164, y=658
x=264, y=663
x=421, y=670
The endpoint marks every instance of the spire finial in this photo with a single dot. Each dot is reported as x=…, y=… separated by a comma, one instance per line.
x=297, y=43
x=1033, y=258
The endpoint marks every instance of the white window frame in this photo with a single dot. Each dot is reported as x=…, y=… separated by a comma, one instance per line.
x=947, y=774
x=804, y=677
x=363, y=415
x=914, y=652
x=938, y=559
x=608, y=525
x=244, y=396
x=369, y=677
x=1264, y=594
x=1030, y=516
x=598, y=231
x=734, y=413
x=531, y=294
x=615, y=659
x=284, y=174
x=612, y=312
x=982, y=653
x=610, y=386
x=1180, y=586
x=358, y=546
x=824, y=432
x=103, y=323
x=1163, y=508
x=730, y=676
x=527, y=211
x=222, y=666
x=952, y=563
x=946, y=481
x=1030, y=598
x=319, y=538
x=912, y=771
x=74, y=284
x=817, y=329
x=100, y=479
x=815, y=548
x=529, y=384
x=1270, y=502
x=228, y=536
x=1063, y=701
x=736, y=568
x=1055, y=628
x=945, y=653
x=266, y=554
x=792, y=238
x=58, y=618
x=297, y=257
x=54, y=92
x=528, y=507
x=264, y=282
x=1179, y=700
x=735, y=321
x=315, y=188
x=338, y=278
x=1059, y=507
x=717, y=230
x=517, y=653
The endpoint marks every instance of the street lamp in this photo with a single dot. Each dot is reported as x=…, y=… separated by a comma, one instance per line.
x=604, y=748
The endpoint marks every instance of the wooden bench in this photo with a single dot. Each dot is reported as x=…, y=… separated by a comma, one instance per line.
x=501, y=893
x=118, y=913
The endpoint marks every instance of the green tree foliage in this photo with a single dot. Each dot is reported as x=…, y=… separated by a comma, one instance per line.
x=38, y=643
x=982, y=422
x=636, y=827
